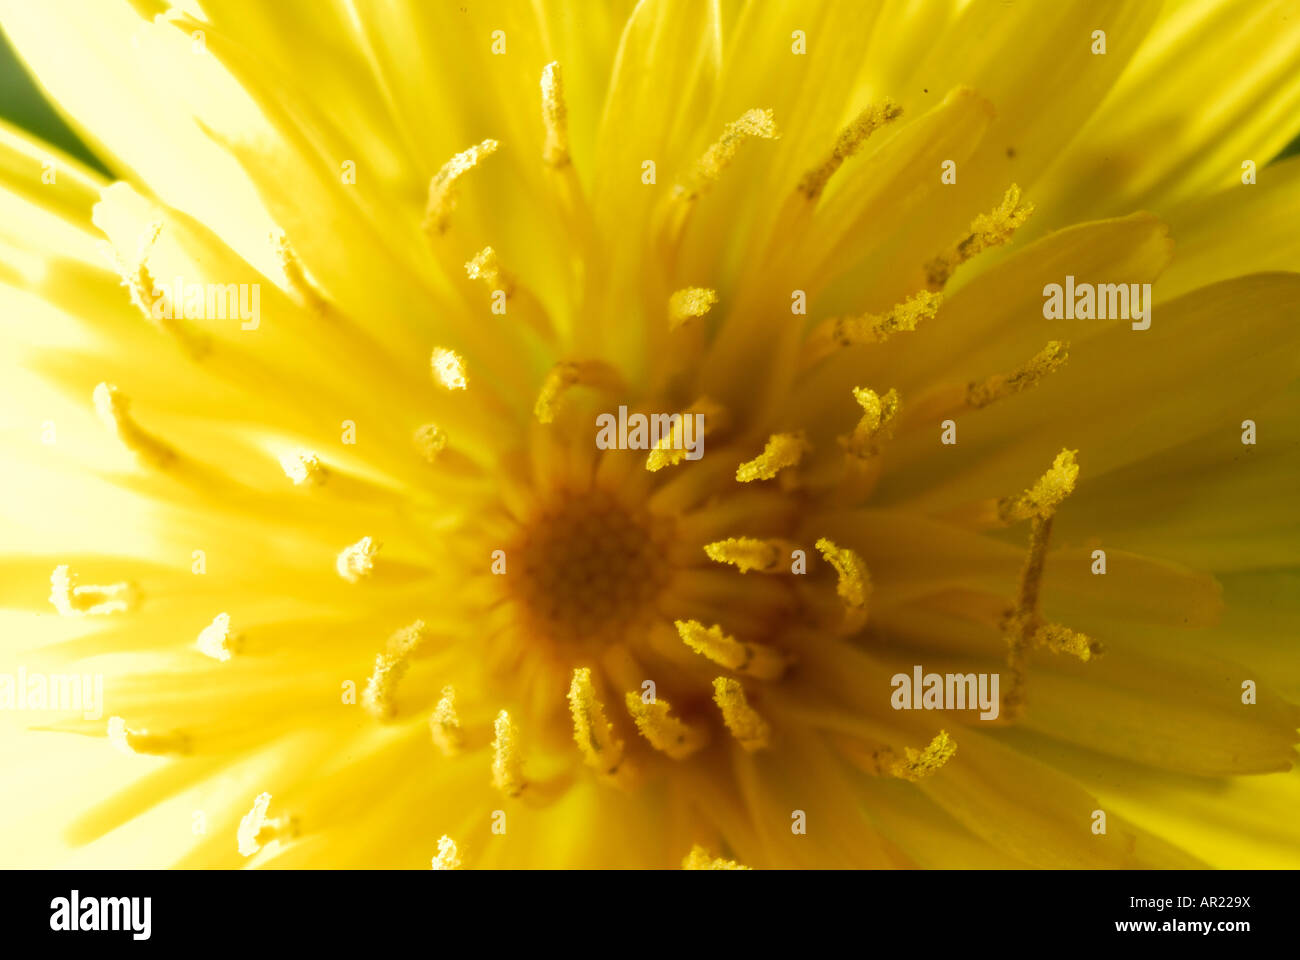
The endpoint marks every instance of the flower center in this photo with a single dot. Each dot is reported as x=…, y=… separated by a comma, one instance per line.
x=591, y=567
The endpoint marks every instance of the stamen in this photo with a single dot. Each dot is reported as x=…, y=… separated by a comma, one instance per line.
x=390, y=667
x=307, y=292
x=752, y=123
x=554, y=116
x=448, y=858
x=380, y=688
x=782, y=450
x=486, y=266
x=430, y=440
x=507, y=766
x=444, y=725
x=566, y=375
x=113, y=408
x=701, y=859
x=448, y=368
x=217, y=640
x=666, y=733
x=138, y=279
x=1061, y=639
x=750, y=730
x=848, y=143
x=74, y=601
x=357, y=561
x=876, y=423
x=303, y=467
x=671, y=450
x=688, y=304
x=256, y=828
x=987, y=230
x=593, y=733
x=1048, y=360
x=753, y=659
x=1023, y=624
x=854, y=586
x=1041, y=500
x=145, y=742
x=919, y=764
x=442, y=188
x=835, y=333
x=748, y=553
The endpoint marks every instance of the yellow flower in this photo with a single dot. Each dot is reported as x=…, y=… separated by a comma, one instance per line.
x=562, y=434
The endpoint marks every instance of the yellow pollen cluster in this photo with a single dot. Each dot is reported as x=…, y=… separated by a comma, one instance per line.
x=848, y=143
x=750, y=730
x=507, y=765
x=748, y=553
x=919, y=764
x=442, y=188
x=592, y=731
x=1041, y=500
x=753, y=659
x=688, y=304
x=554, y=117
x=751, y=123
x=987, y=230
x=113, y=408
x=666, y=733
x=1048, y=360
x=94, y=601
x=445, y=726
x=486, y=266
x=876, y=423
x=782, y=450
x=448, y=857
x=448, y=368
x=701, y=859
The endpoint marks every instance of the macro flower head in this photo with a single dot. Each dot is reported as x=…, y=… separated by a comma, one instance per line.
x=677, y=433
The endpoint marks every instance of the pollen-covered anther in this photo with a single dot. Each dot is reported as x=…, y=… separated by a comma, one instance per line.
x=689, y=303
x=448, y=368
x=113, y=408
x=752, y=659
x=746, y=725
x=848, y=143
x=555, y=117
x=750, y=553
x=296, y=276
x=835, y=333
x=357, y=562
x=507, y=764
x=217, y=640
x=486, y=266
x=443, y=186
x=566, y=375
x=782, y=450
x=987, y=230
x=876, y=423
x=1041, y=500
x=145, y=742
x=716, y=159
x=919, y=764
x=854, y=583
x=91, y=601
x=448, y=858
x=256, y=829
x=701, y=859
x=430, y=441
x=1048, y=360
x=671, y=450
x=390, y=666
x=665, y=732
x=444, y=724
x=1059, y=639
x=601, y=749
x=303, y=467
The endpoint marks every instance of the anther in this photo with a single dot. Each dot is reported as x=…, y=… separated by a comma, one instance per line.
x=701, y=859
x=217, y=640
x=750, y=730
x=919, y=764
x=752, y=659
x=689, y=303
x=987, y=230
x=848, y=143
x=93, y=601
x=442, y=188
x=782, y=450
x=554, y=116
x=113, y=408
x=666, y=733
x=356, y=562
